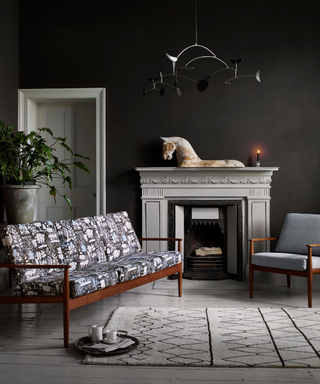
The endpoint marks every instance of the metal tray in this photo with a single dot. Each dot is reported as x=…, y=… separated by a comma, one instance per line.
x=85, y=340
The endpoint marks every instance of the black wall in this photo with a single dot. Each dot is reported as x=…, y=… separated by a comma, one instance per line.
x=9, y=67
x=119, y=44
x=9, y=62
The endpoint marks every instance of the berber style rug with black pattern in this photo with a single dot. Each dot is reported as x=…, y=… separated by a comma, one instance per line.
x=218, y=337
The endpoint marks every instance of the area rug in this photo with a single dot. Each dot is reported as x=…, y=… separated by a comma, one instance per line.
x=218, y=337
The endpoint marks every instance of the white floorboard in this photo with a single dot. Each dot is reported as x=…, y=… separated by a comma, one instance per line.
x=31, y=339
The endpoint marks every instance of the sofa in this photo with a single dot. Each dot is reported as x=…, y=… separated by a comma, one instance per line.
x=80, y=261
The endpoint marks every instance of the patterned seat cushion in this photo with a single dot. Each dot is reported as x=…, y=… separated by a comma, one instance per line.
x=87, y=280
x=80, y=242
x=49, y=285
x=117, y=235
x=32, y=243
x=144, y=263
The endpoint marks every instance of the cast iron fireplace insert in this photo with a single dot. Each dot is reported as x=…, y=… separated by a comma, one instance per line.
x=211, y=234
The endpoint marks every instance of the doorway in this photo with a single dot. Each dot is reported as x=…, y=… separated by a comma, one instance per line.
x=80, y=115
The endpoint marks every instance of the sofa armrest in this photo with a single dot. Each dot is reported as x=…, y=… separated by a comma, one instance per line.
x=40, y=266
x=32, y=266
x=163, y=239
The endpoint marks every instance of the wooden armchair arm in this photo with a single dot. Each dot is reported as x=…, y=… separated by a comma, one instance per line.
x=162, y=239
x=310, y=246
x=264, y=239
x=32, y=266
x=252, y=241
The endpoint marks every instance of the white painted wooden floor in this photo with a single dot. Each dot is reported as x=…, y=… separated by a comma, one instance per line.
x=31, y=344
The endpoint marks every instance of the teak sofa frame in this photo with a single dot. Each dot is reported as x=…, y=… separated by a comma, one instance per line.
x=308, y=273
x=73, y=303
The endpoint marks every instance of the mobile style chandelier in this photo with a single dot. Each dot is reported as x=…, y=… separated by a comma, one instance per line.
x=202, y=84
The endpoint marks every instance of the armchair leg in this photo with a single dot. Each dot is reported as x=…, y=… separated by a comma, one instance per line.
x=251, y=280
x=310, y=291
x=251, y=271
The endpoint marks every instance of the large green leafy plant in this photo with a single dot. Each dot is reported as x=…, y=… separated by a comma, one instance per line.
x=28, y=157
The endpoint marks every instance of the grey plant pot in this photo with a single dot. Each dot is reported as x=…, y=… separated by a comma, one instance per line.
x=20, y=202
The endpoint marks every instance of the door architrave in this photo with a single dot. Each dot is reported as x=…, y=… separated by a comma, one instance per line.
x=28, y=102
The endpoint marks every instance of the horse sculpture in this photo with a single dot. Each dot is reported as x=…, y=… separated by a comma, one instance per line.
x=187, y=157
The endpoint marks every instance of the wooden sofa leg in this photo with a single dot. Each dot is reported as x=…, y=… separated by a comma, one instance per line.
x=66, y=309
x=180, y=282
x=288, y=281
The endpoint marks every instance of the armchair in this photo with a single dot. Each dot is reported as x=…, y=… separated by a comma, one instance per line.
x=297, y=252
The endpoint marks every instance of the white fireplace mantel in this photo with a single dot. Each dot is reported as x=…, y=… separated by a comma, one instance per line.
x=250, y=185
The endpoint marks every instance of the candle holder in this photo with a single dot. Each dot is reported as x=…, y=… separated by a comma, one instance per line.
x=258, y=163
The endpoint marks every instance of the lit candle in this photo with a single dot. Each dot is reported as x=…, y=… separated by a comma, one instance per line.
x=258, y=155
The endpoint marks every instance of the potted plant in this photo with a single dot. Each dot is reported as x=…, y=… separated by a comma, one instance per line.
x=26, y=162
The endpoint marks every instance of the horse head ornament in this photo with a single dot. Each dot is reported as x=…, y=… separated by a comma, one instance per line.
x=168, y=148
x=187, y=157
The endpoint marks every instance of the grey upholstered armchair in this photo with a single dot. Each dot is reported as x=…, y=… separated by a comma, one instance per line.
x=297, y=252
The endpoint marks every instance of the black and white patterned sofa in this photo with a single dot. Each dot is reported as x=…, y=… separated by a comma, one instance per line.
x=80, y=261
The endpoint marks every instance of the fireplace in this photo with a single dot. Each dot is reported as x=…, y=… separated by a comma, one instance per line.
x=215, y=208
x=213, y=224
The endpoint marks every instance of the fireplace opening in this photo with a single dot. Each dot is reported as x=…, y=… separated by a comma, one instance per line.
x=205, y=246
x=212, y=237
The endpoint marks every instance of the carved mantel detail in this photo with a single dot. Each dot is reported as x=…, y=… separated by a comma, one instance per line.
x=205, y=180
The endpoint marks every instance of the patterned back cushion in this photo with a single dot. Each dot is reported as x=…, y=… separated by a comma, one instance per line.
x=117, y=235
x=80, y=242
x=32, y=243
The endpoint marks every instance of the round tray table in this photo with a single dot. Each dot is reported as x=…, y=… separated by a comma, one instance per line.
x=87, y=340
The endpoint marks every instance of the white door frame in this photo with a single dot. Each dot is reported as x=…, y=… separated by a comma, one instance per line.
x=28, y=101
